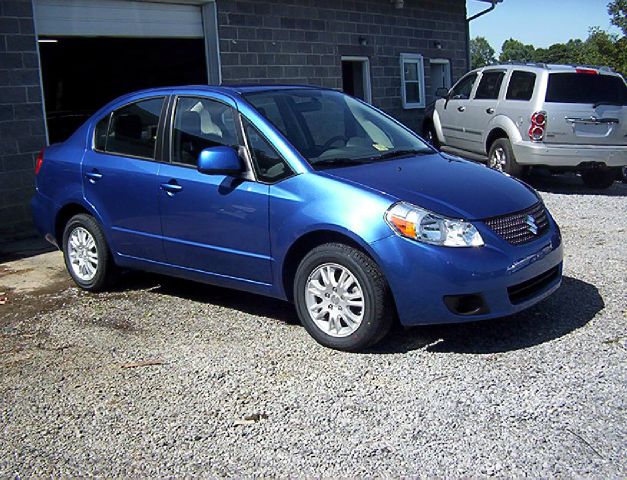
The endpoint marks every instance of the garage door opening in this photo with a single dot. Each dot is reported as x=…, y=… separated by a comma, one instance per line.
x=81, y=74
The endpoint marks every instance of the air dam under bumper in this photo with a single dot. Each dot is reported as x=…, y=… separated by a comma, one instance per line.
x=505, y=278
x=555, y=155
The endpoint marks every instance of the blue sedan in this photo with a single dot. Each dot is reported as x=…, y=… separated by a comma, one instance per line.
x=298, y=193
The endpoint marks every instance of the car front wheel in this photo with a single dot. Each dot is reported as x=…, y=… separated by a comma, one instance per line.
x=342, y=298
x=86, y=253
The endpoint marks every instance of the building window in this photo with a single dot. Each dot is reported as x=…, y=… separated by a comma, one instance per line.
x=412, y=80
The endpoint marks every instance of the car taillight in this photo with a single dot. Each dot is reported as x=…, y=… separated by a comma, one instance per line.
x=39, y=162
x=538, y=125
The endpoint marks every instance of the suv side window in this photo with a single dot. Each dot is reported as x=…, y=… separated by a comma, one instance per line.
x=133, y=129
x=489, y=86
x=521, y=85
x=269, y=165
x=201, y=123
x=462, y=90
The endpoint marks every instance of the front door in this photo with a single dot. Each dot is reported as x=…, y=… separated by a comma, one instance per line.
x=214, y=224
x=453, y=113
x=120, y=178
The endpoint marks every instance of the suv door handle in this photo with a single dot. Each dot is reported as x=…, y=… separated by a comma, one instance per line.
x=461, y=108
x=93, y=176
x=171, y=187
x=489, y=110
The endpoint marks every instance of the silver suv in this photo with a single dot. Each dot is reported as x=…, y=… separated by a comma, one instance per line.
x=513, y=117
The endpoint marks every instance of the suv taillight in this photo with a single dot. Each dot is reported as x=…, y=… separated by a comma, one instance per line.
x=538, y=125
x=39, y=162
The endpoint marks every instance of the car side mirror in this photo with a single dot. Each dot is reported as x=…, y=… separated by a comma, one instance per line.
x=441, y=92
x=219, y=161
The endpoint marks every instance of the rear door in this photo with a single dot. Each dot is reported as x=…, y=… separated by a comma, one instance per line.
x=586, y=108
x=120, y=178
x=452, y=115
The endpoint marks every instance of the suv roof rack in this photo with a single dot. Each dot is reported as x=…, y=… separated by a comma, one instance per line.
x=523, y=64
x=548, y=66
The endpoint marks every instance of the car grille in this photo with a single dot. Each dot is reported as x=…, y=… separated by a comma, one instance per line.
x=517, y=228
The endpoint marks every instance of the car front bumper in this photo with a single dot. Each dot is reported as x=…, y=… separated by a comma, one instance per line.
x=555, y=155
x=507, y=278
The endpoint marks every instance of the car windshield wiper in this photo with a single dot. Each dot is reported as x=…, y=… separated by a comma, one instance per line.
x=334, y=162
x=607, y=102
x=400, y=153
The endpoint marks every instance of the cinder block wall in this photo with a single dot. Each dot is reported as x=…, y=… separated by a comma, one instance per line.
x=302, y=41
x=22, y=131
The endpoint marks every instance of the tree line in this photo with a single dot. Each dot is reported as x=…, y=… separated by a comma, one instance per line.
x=600, y=48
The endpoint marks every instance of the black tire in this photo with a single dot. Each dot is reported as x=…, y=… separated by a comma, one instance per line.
x=599, y=178
x=378, y=310
x=106, y=269
x=509, y=165
x=431, y=137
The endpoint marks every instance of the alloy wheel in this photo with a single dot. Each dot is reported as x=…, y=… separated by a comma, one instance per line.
x=335, y=300
x=83, y=254
x=498, y=159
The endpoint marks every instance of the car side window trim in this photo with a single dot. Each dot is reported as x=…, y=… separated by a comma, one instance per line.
x=126, y=155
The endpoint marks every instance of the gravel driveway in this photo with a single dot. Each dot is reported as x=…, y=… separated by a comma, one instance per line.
x=164, y=378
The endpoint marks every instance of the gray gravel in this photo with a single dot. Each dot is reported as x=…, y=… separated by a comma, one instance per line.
x=237, y=388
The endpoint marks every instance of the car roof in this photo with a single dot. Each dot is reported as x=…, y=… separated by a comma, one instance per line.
x=225, y=89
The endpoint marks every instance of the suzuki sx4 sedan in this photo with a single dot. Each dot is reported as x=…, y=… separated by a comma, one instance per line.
x=298, y=193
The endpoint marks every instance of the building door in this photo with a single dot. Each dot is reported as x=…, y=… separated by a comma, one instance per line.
x=356, y=77
x=93, y=51
x=440, y=74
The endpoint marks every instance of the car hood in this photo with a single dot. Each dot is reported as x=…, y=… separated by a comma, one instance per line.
x=443, y=184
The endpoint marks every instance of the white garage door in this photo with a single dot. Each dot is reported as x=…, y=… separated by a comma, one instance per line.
x=117, y=18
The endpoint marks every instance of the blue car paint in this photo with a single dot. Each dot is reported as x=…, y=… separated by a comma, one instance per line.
x=237, y=233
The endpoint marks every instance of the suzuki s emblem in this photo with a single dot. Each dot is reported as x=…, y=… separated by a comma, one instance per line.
x=531, y=223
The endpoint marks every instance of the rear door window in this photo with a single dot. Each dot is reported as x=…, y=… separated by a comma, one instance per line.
x=586, y=88
x=521, y=85
x=133, y=129
x=489, y=86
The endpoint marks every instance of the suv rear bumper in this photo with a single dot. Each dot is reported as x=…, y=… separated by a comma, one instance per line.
x=528, y=153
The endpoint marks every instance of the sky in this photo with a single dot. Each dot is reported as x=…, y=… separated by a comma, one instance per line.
x=538, y=22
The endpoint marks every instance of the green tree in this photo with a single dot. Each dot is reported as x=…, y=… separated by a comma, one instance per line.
x=570, y=52
x=514, y=50
x=618, y=13
x=481, y=53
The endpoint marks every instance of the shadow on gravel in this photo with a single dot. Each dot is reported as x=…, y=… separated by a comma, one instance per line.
x=571, y=184
x=571, y=307
x=204, y=293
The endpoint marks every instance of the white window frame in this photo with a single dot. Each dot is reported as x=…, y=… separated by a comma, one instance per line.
x=418, y=60
x=366, y=74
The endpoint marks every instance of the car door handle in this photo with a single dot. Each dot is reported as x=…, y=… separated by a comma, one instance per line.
x=93, y=176
x=461, y=108
x=489, y=110
x=171, y=187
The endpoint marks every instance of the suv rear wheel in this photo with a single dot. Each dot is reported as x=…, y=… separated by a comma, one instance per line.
x=599, y=177
x=501, y=157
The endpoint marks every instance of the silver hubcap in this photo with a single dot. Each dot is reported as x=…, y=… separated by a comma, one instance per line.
x=83, y=254
x=429, y=137
x=335, y=300
x=498, y=160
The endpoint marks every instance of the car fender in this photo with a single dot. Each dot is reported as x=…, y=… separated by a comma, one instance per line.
x=501, y=122
x=437, y=125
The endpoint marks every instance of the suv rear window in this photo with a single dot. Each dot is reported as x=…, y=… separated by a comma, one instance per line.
x=489, y=86
x=521, y=85
x=586, y=88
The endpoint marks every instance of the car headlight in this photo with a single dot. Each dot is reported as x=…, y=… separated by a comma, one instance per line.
x=428, y=227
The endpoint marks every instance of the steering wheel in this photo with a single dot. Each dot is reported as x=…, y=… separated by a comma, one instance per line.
x=332, y=140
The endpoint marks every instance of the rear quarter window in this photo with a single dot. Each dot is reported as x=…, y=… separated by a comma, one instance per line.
x=521, y=85
x=585, y=88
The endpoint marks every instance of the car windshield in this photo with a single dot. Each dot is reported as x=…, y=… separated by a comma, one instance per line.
x=586, y=88
x=329, y=128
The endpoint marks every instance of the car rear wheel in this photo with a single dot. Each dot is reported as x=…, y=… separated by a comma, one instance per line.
x=600, y=178
x=501, y=158
x=86, y=253
x=342, y=298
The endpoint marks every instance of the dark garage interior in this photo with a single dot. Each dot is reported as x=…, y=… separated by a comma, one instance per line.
x=81, y=74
